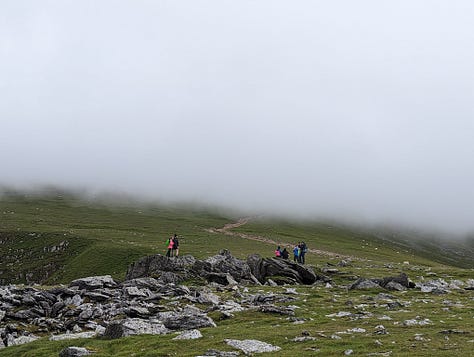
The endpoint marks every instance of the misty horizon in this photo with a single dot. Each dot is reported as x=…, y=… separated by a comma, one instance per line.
x=354, y=111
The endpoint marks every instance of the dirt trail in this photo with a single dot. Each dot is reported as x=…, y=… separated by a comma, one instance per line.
x=242, y=221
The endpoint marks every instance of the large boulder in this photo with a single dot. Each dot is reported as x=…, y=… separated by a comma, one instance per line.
x=398, y=282
x=156, y=265
x=188, y=319
x=219, y=267
x=74, y=352
x=275, y=268
x=94, y=282
x=134, y=326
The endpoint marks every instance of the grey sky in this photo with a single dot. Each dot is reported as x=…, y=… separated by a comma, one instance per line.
x=359, y=109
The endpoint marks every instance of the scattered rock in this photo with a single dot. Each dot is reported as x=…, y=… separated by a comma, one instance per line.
x=380, y=330
x=72, y=336
x=22, y=340
x=454, y=332
x=128, y=327
x=217, y=353
x=417, y=322
x=252, y=346
x=74, y=352
x=303, y=339
x=94, y=282
x=189, y=335
x=363, y=283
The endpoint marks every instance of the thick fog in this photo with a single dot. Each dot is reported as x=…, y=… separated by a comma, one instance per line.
x=348, y=109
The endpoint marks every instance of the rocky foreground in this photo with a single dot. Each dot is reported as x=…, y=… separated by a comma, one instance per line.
x=152, y=300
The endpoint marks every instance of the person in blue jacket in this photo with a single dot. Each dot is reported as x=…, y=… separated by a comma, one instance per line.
x=296, y=252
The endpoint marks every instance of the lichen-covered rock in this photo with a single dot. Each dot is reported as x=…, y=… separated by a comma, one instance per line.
x=134, y=326
x=187, y=319
x=263, y=268
x=189, y=335
x=155, y=265
x=94, y=282
x=252, y=346
x=74, y=352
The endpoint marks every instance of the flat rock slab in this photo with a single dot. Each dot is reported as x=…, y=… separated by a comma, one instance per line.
x=252, y=346
x=74, y=352
x=189, y=335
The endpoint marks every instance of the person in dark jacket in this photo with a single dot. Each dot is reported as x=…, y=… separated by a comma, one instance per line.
x=175, y=245
x=284, y=254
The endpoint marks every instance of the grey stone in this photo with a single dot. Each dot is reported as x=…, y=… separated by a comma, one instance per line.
x=94, y=282
x=134, y=326
x=252, y=346
x=281, y=270
x=217, y=353
x=392, y=285
x=186, y=320
x=22, y=340
x=363, y=283
x=74, y=352
x=189, y=335
x=73, y=336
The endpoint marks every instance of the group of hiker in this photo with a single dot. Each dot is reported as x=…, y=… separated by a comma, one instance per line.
x=173, y=246
x=299, y=252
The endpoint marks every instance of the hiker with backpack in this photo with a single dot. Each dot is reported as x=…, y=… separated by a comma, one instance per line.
x=296, y=253
x=303, y=250
x=175, y=249
x=284, y=254
x=170, y=245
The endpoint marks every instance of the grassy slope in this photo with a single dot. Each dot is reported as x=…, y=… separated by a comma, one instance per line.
x=108, y=238
x=113, y=237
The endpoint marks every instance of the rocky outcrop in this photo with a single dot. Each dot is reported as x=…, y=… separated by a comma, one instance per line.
x=149, y=301
x=282, y=271
x=223, y=269
x=399, y=283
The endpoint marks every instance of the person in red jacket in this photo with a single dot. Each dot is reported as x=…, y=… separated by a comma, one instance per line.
x=170, y=243
x=278, y=252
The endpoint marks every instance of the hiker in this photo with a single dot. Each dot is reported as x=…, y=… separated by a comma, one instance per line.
x=278, y=252
x=303, y=250
x=296, y=252
x=175, y=250
x=170, y=246
x=284, y=254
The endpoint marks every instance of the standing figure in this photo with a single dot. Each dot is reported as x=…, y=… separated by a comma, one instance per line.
x=175, y=251
x=278, y=252
x=296, y=253
x=303, y=250
x=170, y=243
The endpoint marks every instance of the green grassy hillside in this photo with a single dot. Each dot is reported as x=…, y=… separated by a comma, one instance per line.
x=58, y=237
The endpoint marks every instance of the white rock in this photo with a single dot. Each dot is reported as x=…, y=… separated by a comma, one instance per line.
x=22, y=340
x=340, y=314
x=357, y=330
x=189, y=335
x=252, y=346
x=73, y=336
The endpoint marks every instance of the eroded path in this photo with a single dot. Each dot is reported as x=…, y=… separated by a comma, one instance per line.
x=227, y=230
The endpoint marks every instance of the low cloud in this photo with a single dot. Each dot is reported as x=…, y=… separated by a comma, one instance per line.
x=360, y=112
